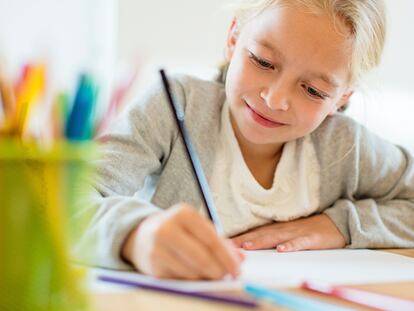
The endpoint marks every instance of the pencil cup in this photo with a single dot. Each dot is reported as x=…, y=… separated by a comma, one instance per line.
x=37, y=199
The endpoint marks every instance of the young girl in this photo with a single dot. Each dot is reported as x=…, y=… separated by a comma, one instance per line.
x=286, y=169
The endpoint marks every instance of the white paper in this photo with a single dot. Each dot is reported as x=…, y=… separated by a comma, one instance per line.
x=273, y=269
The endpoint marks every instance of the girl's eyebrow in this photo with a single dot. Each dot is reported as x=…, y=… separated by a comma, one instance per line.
x=326, y=78
x=270, y=47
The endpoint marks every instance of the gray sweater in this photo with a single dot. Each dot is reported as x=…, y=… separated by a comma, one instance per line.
x=367, y=184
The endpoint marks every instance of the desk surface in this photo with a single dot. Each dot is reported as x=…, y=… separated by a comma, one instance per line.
x=147, y=300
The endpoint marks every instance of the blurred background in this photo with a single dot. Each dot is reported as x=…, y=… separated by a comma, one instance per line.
x=114, y=39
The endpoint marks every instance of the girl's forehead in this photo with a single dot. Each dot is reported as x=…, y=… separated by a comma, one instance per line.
x=299, y=22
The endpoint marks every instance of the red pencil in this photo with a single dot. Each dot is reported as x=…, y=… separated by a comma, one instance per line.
x=116, y=102
x=362, y=297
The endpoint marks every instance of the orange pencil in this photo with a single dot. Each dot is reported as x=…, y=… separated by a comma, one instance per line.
x=9, y=104
x=28, y=91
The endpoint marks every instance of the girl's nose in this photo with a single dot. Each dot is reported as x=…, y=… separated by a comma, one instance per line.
x=275, y=97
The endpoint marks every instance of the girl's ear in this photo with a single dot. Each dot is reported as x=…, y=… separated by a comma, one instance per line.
x=232, y=37
x=342, y=102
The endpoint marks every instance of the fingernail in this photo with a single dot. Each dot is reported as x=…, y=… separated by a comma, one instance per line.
x=235, y=273
x=281, y=248
x=247, y=244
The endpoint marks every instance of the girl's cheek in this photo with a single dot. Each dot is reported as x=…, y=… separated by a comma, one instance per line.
x=308, y=118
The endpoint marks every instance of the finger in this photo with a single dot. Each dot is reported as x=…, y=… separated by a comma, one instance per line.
x=175, y=269
x=254, y=234
x=245, y=237
x=237, y=241
x=195, y=256
x=167, y=265
x=225, y=253
x=296, y=244
x=241, y=255
x=239, y=250
x=264, y=241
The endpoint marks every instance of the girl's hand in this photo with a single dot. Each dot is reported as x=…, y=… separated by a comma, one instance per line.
x=179, y=243
x=315, y=232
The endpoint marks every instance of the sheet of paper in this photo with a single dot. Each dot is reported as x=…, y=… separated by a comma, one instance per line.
x=273, y=269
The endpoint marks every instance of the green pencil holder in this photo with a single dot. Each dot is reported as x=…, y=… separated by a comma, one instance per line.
x=38, y=194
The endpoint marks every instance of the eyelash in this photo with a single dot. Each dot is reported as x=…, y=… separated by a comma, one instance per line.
x=261, y=62
x=313, y=92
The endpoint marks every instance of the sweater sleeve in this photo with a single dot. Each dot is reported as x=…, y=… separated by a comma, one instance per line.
x=132, y=154
x=376, y=208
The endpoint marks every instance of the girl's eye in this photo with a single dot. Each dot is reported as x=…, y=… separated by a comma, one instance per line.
x=261, y=62
x=313, y=92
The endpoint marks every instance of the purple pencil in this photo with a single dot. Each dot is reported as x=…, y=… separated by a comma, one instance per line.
x=248, y=303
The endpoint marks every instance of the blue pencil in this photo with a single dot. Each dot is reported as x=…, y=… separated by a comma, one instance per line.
x=78, y=124
x=195, y=162
x=291, y=301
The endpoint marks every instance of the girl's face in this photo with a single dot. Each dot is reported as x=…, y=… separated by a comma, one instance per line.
x=288, y=70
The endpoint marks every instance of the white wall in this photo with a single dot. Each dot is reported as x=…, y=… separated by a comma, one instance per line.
x=386, y=102
x=70, y=35
x=190, y=35
x=183, y=34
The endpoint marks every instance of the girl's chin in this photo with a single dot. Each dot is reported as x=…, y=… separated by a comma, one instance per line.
x=256, y=137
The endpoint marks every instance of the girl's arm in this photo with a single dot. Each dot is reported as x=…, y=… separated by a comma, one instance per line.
x=373, y=185
x=133, y=153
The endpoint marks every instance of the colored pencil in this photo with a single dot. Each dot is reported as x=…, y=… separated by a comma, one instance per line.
x=291, y=301
x=359, y=296
x=242, y=302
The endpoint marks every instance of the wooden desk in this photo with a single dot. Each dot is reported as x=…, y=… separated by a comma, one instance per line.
x=146, y=300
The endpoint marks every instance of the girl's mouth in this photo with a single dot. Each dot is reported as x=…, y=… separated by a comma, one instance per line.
x=262, y=120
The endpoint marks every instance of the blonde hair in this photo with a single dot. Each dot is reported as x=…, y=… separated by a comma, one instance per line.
x=365, y=19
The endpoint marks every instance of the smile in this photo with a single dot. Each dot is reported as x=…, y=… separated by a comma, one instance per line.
x=258, y=118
